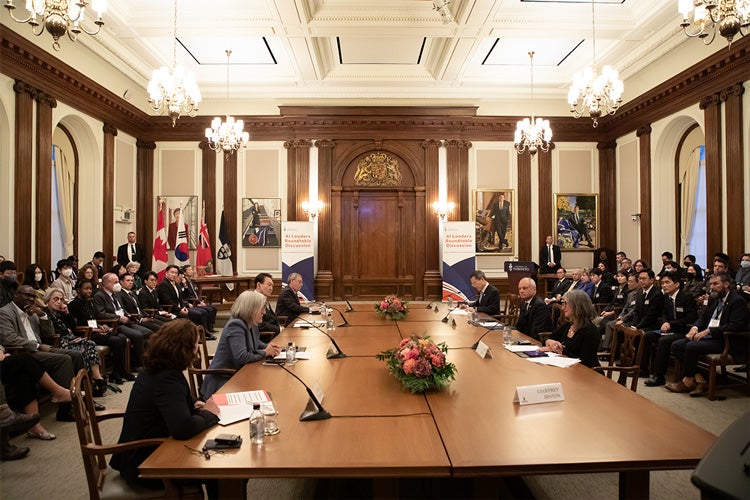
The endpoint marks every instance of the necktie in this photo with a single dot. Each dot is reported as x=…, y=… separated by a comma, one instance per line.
x=719, y=308
x=670, y=308
x=551, y=256
x=115, y=302
x=132, y=252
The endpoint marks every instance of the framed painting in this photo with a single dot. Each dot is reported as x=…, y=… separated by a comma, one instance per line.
x=187, y=208
x=493, y=220
x=261, y=222
x=577, y=221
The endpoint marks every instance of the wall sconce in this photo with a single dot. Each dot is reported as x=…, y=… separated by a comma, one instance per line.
x=443, y=209
x=635, y=217
x=312, y=209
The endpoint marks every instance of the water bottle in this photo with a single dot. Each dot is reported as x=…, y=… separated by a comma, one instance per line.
x=507, y=337
x=450, y=302
x=291, y=354
x=329, y=319
x=257, y=425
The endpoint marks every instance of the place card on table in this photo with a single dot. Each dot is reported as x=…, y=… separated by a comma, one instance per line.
x=542, y=393
x=483, y=350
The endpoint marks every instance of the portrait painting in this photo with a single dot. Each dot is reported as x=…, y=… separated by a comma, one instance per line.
x=261, y=222
x=187, y=208
x=577, y=221
x=493, y=219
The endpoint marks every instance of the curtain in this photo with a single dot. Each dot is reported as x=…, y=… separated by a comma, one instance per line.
x=688, y=179
x=65, y=189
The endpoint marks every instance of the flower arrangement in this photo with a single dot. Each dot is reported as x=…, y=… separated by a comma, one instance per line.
x=419, y=364
x=393, y=307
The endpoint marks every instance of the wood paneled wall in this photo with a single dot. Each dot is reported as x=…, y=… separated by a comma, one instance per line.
x=644, y=179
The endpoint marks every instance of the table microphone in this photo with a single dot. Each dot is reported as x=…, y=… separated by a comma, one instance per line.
x=429, y=306
x=349, y=307
x=476, y=344
x=331, y=354
x=314, y=410
x=345, y=323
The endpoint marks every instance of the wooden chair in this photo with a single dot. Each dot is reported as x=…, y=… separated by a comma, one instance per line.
x=511, y=311
x=630, y=354
x=103, y=481
x=201, y=366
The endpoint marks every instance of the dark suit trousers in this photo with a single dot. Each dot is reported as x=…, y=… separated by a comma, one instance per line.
x=661, y=359
x=688, y=352
x=59, y=366
x=137, y=335
x=116, y=344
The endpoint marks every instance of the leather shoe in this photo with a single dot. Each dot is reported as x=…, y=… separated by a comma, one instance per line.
x=127, y=376
x=678, y=387
x=210, y=336
x=11, y=452
x=700, y=390
x=741, y=368
x=99, y=406
x=64, y=414
x=655, y=381
x=19, y=422
x=116, y=379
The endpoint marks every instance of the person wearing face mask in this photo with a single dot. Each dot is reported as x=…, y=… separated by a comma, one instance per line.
x=8, y=282
x=64, y=282
x=693, y=281
x=742, y=280
x=36, y=279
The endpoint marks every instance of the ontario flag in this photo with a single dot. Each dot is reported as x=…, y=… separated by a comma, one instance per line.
x=181, y=252
x=204, y=246
x=159, y=259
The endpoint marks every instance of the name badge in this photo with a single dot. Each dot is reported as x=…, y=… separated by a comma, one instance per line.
x=714, y=323
x=632, y=303
x=92, y=323
x=679, y=309
x=483, y=350
x=542, y=393
x=646, y=302
x=120, y=313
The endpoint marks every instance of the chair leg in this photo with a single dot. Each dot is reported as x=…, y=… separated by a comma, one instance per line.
x=712, y=381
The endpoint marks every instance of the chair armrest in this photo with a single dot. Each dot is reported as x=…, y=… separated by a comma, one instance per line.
x=108, y=414
x=619, y=369
x=150, y=312
x=108, y=449
x=85, y=330
x=212, y=371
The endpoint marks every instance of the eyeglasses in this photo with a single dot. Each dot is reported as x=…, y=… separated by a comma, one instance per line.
x=563, y=302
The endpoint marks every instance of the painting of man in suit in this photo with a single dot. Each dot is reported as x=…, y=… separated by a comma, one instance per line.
x=576, y=219
x=494, y=221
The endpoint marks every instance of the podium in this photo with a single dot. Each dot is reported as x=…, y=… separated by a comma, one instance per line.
x=517, y=270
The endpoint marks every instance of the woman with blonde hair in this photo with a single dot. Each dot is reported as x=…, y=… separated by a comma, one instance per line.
x=240, y=342
x=578, y=337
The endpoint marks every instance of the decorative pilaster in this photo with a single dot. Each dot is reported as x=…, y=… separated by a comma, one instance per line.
x=230, y=206
x=644, y=179
x=208, y=178
x=546, y=213
x=45, y=103
x=457, y=162
x=298, y=177
x=108, y=191
x=144, y=203
x=324, y=278
x=523, y=209
x=608, y=194
x=734, y=147
x=432, y=283
x=711, y=106
x=23, y=198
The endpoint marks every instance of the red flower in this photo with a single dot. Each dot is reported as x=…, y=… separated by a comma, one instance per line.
x=409, y=366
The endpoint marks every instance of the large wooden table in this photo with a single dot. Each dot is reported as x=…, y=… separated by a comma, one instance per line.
x=472, y=428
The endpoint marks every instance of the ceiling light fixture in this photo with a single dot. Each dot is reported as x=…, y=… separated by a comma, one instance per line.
x=441, y=6
x=227, y=136
x=59, y=17
x=534, y=133
x=174, y=91
x=728, y=17
x=595, y=94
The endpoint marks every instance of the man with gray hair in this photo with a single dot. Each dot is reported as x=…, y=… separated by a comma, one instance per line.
x=534, y=316
x=288, y=303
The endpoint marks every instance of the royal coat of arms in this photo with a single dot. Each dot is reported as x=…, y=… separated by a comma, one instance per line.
x=378, y=169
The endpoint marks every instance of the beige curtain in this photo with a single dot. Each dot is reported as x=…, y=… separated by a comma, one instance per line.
x=688, y=179
x=65, y=188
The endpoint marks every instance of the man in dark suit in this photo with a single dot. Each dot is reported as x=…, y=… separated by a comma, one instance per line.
x=148, y=298
x=130, y=251
x=488, y=298
x=500, y=215
x=650, y=303
x=549, y=257
x=602, y=293
x=579, y=224
x=194, y=301
x=534, y=317
x=726, y=312
x=680, y=312
x=560, y=287
x=264, y=286
x=288, y=302
x=96, y=263
x=129, y=301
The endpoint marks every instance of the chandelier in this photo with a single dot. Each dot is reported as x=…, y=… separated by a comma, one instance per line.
x=227, y=136
x=441, y=6
x=173, y=91
x=592, y=93
x=728, y=17
x=532, y=133
x=59, y=17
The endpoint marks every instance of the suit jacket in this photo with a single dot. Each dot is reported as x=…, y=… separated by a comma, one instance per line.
x=560, y=287
x=618, y=298
x=544, y=258
x=270, y=321
x=239, y=345
x=733, y=316
x=487, y=302
x=684, y=314
x=122, y=254
x=627, y=315
x=148, y=299
x=585, y=286
x=602, y=294
x=534, y=318
x=288, y=304
x=169, y=296
x=649, y=308
x=13, y=334
x=104, y=308
x=129, y=302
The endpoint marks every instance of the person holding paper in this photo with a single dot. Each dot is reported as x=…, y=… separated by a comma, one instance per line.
x=488, y=298
x=240, y=342
x=578, y=338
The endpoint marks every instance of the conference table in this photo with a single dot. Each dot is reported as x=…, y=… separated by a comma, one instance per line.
x=469, y=429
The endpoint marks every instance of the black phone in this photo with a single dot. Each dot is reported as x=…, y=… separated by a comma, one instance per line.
x=231, y=439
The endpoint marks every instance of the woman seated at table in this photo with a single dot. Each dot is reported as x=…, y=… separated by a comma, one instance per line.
x=240, y=342
x=160, y=404
x=578, y=338
x=36, y=279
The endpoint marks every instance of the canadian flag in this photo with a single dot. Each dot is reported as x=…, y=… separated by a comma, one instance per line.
x=159, y=259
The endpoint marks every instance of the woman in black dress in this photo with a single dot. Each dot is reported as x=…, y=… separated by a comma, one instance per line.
x=578, y=338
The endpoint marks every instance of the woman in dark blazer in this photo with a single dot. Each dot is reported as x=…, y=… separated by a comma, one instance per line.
x=240, y=342
x=578, y=338
x=160, y=404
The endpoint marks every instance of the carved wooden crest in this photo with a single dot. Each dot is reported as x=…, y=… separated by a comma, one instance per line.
x=378, y=169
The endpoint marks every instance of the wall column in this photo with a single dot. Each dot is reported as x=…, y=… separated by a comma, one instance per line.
x=644, y=164
x=714, y=200
x=108, y=191
x=324, y=279
x=607, y=194
x=144, y=203
x=208, y=178
x=732, y=98
x=432, y=282
x=230, y=205
x=23, y=199
x=45, y=103
x=546, y=211
x=523, y=248
x=457, y=163
x=298, y=177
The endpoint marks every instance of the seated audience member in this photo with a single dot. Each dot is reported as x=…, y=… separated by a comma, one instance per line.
x=240, y=342
x=578, y=337
x=619, y=256
x=288, y=303
x=601, y=293
x=8, y=282
x=82, y=309
x=488, y=298
x=170, y=292
x=719, y=266
x=627, y=266
x=96, y=262
x=11, y=423
x=626, y=316
x=160, y=404
x=742, y=280
x=576, y=282
x=665, y=258
x=36, y=279
x=534, y=316
x=64, y=282
x=560, y=287
x=23, y=325
x=618, y=299
x=148, y=298
x=607, y=277
x=129, y=302
x=670, y=266
x=74, y=264
x=131, y=269
x=679, y=314
x=23, y=372
x=650, y=304
x=585, y=284
x=190, y=294
x=264, y=286
x=64, y=324
x=693, y=284
x=688, y=261
x=119, y=271
x=108, y=307
x=639, y=265
x=89, y=273
x=726, y=312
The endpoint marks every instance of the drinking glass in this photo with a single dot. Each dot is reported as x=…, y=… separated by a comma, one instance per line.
x=271, y=415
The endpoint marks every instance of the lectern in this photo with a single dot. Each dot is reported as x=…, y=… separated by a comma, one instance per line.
x=517, y=270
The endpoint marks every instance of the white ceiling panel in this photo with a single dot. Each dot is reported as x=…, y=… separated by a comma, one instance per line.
x=380, y=50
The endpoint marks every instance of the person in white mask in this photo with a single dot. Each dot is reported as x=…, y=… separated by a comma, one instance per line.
x=36, y=279
x=64, y=281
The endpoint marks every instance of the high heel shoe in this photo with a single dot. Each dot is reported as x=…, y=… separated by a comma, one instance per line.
x=100, y=387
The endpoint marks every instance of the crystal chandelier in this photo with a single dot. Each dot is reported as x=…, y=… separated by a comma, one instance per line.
x=174, y=92
x=59, y=17
x=532, y=133
x=596, y=94
x=227, y=136
x=728, y=17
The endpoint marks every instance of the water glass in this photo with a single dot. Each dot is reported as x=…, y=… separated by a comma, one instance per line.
x=271, y=416
x=507, y=337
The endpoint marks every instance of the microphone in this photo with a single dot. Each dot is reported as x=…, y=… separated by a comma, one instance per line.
x=476, y=344
x=345, y=323
x=445, y=319
x=336, y=352
x=349, y=307
x=313, y=410
x=429, y=306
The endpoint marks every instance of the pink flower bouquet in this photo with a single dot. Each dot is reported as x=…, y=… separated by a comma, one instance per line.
x=419, y=364
x=393, y=307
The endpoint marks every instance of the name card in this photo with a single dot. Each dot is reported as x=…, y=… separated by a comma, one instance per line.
x=483, y=350
x=542, y=393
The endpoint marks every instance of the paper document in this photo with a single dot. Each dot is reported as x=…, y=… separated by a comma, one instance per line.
x=298, y=355
x=558, y=361
x=305, y=324
x=522, y=348
x=229, y=414
x=459, y=312
x=241, y=398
